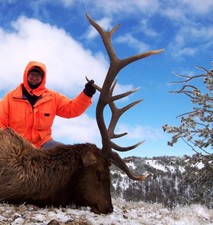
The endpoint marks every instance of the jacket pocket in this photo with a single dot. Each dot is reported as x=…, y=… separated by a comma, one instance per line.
x=45, y=120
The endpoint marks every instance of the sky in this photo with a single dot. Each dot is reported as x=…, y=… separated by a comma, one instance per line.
x=57, y=33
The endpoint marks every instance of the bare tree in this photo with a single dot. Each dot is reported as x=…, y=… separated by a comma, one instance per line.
x=196, y=126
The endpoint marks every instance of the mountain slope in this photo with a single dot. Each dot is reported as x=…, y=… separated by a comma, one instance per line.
x=174, y=181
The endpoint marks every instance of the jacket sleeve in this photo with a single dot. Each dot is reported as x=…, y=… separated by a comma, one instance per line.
x=69, y=108
x=4, y=112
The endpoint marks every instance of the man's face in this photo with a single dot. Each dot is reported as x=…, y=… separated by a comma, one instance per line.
x=34, y=78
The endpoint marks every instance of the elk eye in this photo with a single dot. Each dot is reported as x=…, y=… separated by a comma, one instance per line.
x=98, y=174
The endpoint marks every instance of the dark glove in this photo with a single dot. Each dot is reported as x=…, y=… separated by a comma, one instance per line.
x=89, y=90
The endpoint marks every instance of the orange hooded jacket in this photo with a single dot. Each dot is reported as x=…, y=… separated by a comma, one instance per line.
x=34, y=123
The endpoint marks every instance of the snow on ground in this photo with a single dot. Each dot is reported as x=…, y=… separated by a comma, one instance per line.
x=154, y=163
x=125, y=213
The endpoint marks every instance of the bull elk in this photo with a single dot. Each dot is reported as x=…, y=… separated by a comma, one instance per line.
x=69, y=174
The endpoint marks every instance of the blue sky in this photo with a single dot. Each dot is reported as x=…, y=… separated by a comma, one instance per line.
x=58, y=34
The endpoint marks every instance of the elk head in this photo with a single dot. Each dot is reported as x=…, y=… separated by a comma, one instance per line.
x=107, y=98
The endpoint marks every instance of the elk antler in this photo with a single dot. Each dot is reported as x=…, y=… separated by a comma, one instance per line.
x=107, y=98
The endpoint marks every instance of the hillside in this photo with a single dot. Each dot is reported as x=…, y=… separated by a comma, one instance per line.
x=174, y=181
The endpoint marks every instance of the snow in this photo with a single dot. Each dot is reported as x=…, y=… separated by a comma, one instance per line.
x=125, y=213
x=131, y=165
x=181, y=169
x=165, y=168
x=200, y=165
x=156, y=165
x=123, y=183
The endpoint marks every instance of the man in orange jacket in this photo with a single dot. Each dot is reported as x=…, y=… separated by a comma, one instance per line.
x=31, y=108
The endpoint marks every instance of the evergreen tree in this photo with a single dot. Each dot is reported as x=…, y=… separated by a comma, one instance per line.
x=196, y=126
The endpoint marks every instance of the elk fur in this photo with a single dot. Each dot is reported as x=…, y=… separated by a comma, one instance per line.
x=62, y=175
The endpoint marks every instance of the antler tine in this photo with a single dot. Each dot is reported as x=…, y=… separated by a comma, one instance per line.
x=116, y=114
x=99, y=28
x=106, y=37
x=121, y=164
x=125, y=149
x=112, y=87
x=141, y=56
x=94, y=85
x=116, y=97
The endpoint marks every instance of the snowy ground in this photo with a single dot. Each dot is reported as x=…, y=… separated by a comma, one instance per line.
x=125, y=213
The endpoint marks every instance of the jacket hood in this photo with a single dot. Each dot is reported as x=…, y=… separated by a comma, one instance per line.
x=41, y=88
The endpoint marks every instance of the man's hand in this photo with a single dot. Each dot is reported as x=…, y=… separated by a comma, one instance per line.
x=89, y=90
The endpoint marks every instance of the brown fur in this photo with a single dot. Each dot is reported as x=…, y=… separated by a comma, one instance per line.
x=62, y=175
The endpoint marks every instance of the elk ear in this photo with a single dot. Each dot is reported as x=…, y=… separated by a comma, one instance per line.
x=89, y=158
